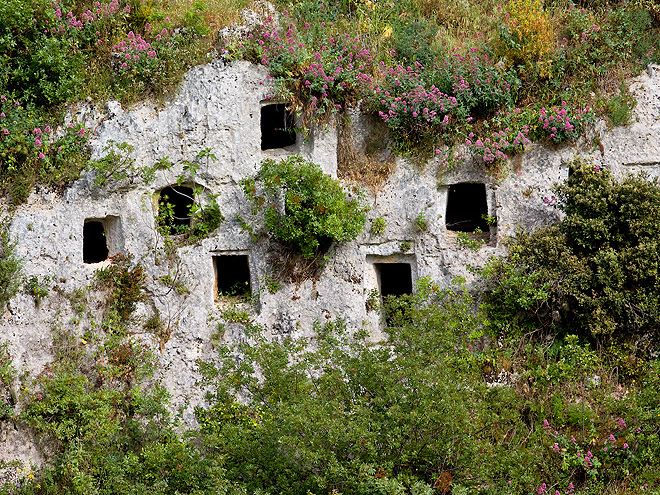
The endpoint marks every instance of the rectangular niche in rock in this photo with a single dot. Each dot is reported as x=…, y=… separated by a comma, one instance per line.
x=277, y=127
x=101, y=238
x=232, y=275
x=466, y=207
x=394, y=279
x=175, y=208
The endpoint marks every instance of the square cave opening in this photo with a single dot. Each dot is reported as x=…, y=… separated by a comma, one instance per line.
x=101, y=239
x=175, y=208
x=277, y=126
x=466, y=207
x=394, y=279
x=232, y=275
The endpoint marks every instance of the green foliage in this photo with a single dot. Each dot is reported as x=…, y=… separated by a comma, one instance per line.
x=378, y=226
x=35, y=60
x=413, y=41
x=31, y=151
x=7, y=371
x=117, y=164
x=125, y=284
x=272, y=285
x=317, y=71
x=235, y=314
x=204, y=217
x=469, y=241
x=421, y=412
x=54, y=52
x=125, y=359
x=175, y=283
x=373, y=300
x=105, y=438
x=7, y=375
x=405, y=246
x=344, y=413
x=490, y=220
x=513, y=292
x=36, y=288
x=316, y=209
x=57, y=52
x=421, y=223
x=620, y=107
x=11, y=267
x=595, y=272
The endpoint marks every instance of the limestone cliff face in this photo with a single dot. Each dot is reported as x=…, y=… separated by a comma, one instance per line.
x=219, y=107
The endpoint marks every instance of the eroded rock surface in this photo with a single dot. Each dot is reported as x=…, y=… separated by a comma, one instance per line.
x=218, y=108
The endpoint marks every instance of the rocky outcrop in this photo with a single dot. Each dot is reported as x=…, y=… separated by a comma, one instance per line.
x=218, y=108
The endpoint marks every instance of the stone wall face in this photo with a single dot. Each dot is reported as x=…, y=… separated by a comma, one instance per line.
x=218, y=107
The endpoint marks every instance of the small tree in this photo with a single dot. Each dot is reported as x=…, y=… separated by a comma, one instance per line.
x=316, y=210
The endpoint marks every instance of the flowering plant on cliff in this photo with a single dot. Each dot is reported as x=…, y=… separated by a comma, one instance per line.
x=31, y=149
x=499, y=146
x=421, y=103
x=563, y=123
x=324, y=71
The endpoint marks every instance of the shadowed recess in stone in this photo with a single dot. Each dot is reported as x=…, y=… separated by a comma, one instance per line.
x=95, y=247
x=175, y=208
x=277, y=124
x=232, y=275
x=394, y=279
x=466, y=207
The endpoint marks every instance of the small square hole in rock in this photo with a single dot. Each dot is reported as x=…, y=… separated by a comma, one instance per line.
x=232, y=275
x=95, y=246
x=466, y=207
x=277, y=127
x=394, y=279
x=175, y=208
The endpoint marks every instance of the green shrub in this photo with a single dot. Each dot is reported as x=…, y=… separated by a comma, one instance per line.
x=39, y=63
x=31, y=152
x=113, y=437
x=316, y=209
x=10, y=267
x=7, y=375
x=38, y=289
x=345, y=414
x=413, y=41
x=596, y=271
x=620, y=108
x=318, y=70
x=421, y=222
x=117, y=164
x=378, y=226
x=126, y=285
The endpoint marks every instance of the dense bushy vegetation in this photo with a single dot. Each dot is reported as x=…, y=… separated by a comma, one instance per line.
x=523, y=69
x=304, y=208
x=54, y=53
x=595, y=273
x=10, y=266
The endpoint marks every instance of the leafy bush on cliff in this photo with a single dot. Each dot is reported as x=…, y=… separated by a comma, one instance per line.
x=315, y=209
x=10, y=267
x=597, y=272
x=347, y=415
